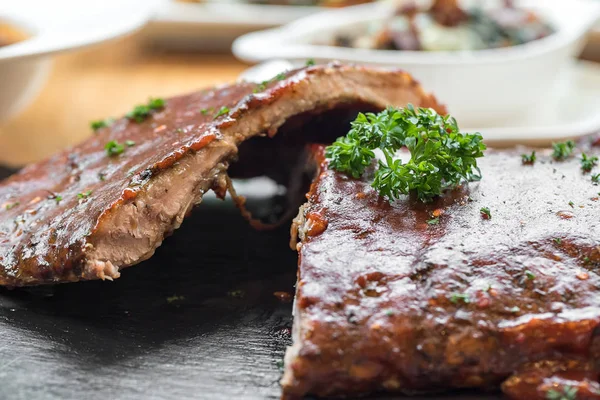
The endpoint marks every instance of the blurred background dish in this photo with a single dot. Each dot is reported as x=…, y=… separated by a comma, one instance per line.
x=445, y=25
x=214, y=24
x=570, y=111
x=480, y=86
x=31, y=31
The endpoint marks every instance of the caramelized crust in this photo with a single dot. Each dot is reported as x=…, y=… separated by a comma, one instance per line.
x=387, y=301
x=129, y=202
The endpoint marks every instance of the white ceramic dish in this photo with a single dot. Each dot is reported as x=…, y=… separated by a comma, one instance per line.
x=480, y=87
x=215, y=25
x=569, y=110
x=56, y=26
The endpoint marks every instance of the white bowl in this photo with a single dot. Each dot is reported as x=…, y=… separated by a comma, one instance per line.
x=57, y=26
x=478, y=86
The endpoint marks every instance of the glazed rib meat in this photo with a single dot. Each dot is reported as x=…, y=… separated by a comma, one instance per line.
x=88, y=212
x=412, y=297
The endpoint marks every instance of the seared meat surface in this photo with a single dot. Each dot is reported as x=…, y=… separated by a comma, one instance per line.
x=415, y=297
x=86, y=213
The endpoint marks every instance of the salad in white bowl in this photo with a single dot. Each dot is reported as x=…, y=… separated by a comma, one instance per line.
x=479, y=83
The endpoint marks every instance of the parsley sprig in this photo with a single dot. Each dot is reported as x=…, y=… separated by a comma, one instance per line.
x=587, y=162
x=567, y=393
x=562, y=151
x=441, y=156
x=143, y=111
x=529, y=159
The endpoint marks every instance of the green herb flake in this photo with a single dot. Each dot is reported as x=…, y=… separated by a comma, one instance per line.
x=143, y=111
x=156, y=104
x=175, y=299
x=11, y=205
x=596, y=178
x=129, y=143
x=587, y=163
x=279, y=365
x=236, y=293
x=567, y=393
x=557, y=240
x=310, y=62
x=84, y=195
x=389, y=313
x=562, y=151
x=459, y=297
x=222, y=111
x=433, y=221
x=530, y=275
x=58, y=198
x=204, y=111
x=114, y=148
x=101, y=123
x=280, y=76
x=261, y=86
x=572, y=204
x=102, y=176
x=528, y=158
x=441, y=156
x=485, y=213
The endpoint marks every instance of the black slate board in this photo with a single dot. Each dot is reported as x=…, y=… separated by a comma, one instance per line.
x=125, y=340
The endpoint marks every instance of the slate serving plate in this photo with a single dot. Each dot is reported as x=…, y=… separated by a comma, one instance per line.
x=197, y=321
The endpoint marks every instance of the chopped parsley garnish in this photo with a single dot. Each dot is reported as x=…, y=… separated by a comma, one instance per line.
x=174, y=299
x=528, y=158
x=530, y=275
x=485, y=213
x=567, y=393
x=440, y=156
x=129, y=143
x=204, y=111
x=458, y=297
x=11, y=205
x=587, y=163
x=101, y=123
x=434, y=221
x=563, y=150
x=114, y=148
x=58, y=198
x=572, y=204
x=310, y=62
x=236, y=293
x=143, y=111
x=102, y=176
x=596, y=178
x=557, y=240
x=222, y=111
x=263, y=85
x=84, y=195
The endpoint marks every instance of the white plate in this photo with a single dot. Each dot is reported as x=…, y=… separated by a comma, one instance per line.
x=476, y=85
x=59, y=25
x=233, y=13
x=568, y=111
x=215, y=25
x=56, y=26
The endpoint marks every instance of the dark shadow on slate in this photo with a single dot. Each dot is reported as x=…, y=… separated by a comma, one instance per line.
x=125, y=340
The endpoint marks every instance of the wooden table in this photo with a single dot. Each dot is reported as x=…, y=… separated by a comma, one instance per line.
x=106, y=80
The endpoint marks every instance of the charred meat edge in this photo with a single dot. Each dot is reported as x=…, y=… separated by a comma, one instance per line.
x=130, y=233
